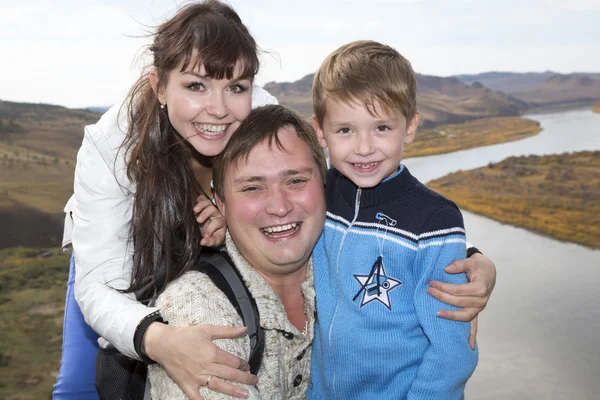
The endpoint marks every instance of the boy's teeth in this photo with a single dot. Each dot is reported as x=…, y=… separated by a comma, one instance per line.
x=366, y=165
x=210, y=129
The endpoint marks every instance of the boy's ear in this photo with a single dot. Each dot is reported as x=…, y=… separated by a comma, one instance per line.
x=220, y=205
x=153, y=76
x=411, y=129
x=320, y=134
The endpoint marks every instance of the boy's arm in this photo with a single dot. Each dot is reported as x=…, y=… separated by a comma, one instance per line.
x=449, y=360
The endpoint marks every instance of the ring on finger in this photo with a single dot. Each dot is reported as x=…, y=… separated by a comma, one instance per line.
x=208, y=380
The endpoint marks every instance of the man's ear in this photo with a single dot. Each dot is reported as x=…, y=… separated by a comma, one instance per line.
x=153, y=76
x=411, y=129
x=220, y=205
x=320, y=134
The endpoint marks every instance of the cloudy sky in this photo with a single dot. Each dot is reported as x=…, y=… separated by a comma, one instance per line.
x=82, y=53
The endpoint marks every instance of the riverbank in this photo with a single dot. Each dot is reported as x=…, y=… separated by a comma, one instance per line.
x=477, y=133
x=556, y=195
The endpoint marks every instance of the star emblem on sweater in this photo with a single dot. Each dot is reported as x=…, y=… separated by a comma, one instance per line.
x=376, y=286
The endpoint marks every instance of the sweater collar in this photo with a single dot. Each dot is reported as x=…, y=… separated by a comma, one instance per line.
x=270, y=307
x=389, y=188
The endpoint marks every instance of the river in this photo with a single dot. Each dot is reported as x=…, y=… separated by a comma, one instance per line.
x=539, y=337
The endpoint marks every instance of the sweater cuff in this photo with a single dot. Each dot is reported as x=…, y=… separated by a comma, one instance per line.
x=141, y=331
x=472, y=251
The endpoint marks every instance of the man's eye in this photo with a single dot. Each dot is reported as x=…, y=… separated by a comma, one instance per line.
x=249, y=189
x=298, y=181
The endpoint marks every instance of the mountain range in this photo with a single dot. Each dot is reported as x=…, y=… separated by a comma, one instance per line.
x=464, y=97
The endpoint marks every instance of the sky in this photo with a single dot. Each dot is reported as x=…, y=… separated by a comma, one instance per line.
x=81, y=53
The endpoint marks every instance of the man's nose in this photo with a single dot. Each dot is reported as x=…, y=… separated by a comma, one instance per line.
x=279, y=203
x=217, y=105
x=363, y=144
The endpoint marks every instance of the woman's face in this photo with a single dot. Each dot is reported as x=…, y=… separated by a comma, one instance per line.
x=203, y=110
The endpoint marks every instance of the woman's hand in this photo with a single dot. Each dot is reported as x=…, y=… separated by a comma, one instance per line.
x=212, y=223
x=190, y=358
x=472, y=297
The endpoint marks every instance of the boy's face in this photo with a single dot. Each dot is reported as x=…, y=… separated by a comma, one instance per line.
x=366, y=149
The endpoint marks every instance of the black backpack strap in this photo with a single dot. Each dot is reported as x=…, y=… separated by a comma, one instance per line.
x=220, y=269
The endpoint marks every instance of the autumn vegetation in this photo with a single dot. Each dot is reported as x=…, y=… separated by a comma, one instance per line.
x=471, y=134
x=596, y=108
x=32, y=300
x=556, y=195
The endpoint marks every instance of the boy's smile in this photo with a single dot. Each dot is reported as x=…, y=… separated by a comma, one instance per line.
x=365, y=148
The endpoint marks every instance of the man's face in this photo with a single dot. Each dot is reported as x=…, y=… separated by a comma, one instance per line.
x=274, y=204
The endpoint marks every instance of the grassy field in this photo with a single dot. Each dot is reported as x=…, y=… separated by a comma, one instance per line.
x=32, y=287
x=471, y=134
x=557, y=195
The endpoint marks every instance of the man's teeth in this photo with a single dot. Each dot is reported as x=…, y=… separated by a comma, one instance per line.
x=280, y=228
x=366, y=165
x=210, y=129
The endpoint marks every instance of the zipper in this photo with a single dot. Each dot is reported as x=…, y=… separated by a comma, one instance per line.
x=337, y=273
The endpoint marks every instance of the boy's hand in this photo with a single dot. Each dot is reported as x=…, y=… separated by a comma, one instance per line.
x=212, y=223
x=472, y=297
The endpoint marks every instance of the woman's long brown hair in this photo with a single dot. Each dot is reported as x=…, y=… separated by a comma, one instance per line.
x=165, y=234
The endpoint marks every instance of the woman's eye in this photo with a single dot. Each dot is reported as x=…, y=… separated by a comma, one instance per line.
x=238, y=88
x=195, y=86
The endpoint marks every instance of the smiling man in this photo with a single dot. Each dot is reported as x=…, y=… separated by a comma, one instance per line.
x=269, y=185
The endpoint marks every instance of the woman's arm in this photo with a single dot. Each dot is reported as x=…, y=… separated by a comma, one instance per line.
x=189, y=301
x=101, y=231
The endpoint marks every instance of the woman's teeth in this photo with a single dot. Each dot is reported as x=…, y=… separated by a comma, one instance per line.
x=209, y=129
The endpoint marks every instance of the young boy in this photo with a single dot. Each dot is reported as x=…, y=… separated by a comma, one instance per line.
x=386, y=236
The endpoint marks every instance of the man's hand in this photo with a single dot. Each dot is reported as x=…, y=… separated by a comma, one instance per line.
x=472, y=297
x=212, y=223
x=189, y=357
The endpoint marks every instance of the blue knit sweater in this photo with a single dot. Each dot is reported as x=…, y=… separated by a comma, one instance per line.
x=377, y=334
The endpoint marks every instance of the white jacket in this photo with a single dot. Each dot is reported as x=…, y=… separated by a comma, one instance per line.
x=101, y=212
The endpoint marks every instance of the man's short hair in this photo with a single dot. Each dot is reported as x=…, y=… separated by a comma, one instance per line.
x=367, y=73
x=263, y=124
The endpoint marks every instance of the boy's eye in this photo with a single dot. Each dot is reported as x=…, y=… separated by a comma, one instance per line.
x=383, y=128
x=344, y=130
x=196, y=86
x=238, y=88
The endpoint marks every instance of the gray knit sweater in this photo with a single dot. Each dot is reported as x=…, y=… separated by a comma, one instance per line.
x=193, y=299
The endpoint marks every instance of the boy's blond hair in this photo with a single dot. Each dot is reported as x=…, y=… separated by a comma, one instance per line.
x=367, y=73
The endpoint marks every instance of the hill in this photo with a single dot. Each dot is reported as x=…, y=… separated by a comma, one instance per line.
x=514, y=82
x=441, y=100
x=38, y=148
x=562, y=91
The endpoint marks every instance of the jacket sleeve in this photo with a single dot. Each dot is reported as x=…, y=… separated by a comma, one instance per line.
x=194, y=300
x=101, y=231
x=449, y=361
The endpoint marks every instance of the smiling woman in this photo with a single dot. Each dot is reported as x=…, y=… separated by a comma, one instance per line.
x=139, y=172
